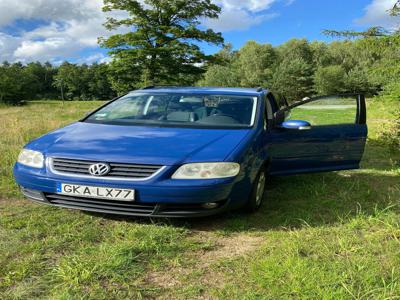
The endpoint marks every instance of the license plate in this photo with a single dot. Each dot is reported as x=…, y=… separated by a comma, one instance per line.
x=95, y=192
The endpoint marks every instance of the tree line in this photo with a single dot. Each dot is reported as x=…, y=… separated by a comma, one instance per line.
x=296, y=69
x=46, y=81
x=163, y=48
x=299, y=68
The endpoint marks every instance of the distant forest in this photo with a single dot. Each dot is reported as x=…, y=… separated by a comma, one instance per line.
x=162, y=49
x=295, y=69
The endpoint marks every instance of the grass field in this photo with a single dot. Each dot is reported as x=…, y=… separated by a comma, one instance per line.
x=323, y=236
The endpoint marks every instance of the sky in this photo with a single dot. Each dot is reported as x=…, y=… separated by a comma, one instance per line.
x=67, y=30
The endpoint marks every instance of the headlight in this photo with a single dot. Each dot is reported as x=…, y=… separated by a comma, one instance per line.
x=31, y=158
x=207, y=171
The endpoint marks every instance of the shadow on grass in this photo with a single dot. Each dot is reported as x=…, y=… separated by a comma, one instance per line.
x=303, y=200
x=312, y=199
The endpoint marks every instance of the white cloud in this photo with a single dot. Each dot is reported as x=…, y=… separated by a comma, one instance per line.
x=236, y=20
x=8, y=44
x=376, y=14
x=46, y=50
x=72, y=26
x=289, y=2
x=240, y=15
x=96, y=57
x=251, y=5
x=11, y=10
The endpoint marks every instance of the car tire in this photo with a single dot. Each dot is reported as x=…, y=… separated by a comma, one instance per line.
x=258, y=192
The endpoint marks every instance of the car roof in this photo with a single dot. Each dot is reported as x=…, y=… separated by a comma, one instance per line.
x=203, y=90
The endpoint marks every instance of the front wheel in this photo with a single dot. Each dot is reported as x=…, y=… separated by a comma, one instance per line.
x=257, y=195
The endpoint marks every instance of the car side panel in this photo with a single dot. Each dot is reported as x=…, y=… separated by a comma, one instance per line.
x=323, y=148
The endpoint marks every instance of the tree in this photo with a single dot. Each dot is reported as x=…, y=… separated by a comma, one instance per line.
x=223, y=71
x=255, y=64
x=72, y=80
x=295, y=49
x=15, y=83
x=164, y=43
x=376, y=51
x=357, y=81
x=321, y=55
x=42, y=75
x=225, y=56
x=225, y=76
x=330, y=80
x=294, y=79
x=99, y=86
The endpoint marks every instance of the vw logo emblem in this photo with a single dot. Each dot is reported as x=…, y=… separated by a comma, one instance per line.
x=100, y=169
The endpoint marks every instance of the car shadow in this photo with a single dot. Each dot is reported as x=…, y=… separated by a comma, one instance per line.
x=310, y=200
x=302, y=200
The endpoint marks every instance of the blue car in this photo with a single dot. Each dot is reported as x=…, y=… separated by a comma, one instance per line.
x=189, y=152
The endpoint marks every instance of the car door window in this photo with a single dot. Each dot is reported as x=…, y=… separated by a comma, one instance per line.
x=328, y=110
x=319, y=134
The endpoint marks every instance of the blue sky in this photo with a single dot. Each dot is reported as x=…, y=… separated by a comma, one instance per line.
x=58, y=30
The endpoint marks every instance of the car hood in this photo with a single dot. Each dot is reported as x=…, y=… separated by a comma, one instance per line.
x=137, y=144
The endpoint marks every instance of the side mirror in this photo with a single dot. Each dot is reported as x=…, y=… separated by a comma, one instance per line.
x=296, y=125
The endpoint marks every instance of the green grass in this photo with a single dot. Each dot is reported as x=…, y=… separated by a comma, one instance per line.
x=323, y=236
x=324, y=117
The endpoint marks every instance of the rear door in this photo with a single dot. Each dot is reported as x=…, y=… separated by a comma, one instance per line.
x=334, y=141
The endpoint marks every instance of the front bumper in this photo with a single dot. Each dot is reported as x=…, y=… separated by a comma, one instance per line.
x=124, y=208
x=155, y=198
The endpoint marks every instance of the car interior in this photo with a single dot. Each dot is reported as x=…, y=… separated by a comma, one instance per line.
x=202, y=110
x=225, y=111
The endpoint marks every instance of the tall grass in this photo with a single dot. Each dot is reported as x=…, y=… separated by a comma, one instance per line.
x=21, y=124
x=323, y=236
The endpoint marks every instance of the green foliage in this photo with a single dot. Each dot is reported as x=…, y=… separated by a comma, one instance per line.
x=99, y=86
x=44, y=81
x=357, y=81
x=390, y=133
x=294, y=79
x=223, y=71
x=83, y=82
x=373, y=31
x=395, y=11
x=42, y=85
x=72, y=79
x=296, y=49
x=255, y=64
x=220, y=76
x=330, y=80
x=298, y=68
x=15, y=81
x=163, y=47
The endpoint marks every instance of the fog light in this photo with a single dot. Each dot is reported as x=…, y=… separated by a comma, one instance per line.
x=210, y=205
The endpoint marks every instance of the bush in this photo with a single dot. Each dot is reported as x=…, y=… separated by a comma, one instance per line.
x=330, y=80
x=390, y=134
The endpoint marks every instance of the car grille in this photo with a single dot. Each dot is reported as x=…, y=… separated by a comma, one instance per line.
x=127, y=208
x=101, y=206
x=117, y=170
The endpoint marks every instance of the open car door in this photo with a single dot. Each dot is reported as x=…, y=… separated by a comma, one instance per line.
x=319, y=134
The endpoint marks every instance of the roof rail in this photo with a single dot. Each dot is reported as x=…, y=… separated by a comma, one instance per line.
x=159, y=86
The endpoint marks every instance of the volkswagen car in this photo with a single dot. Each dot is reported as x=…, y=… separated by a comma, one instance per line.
x=189, y=152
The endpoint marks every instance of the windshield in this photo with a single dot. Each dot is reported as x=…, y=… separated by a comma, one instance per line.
x=176, y=109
